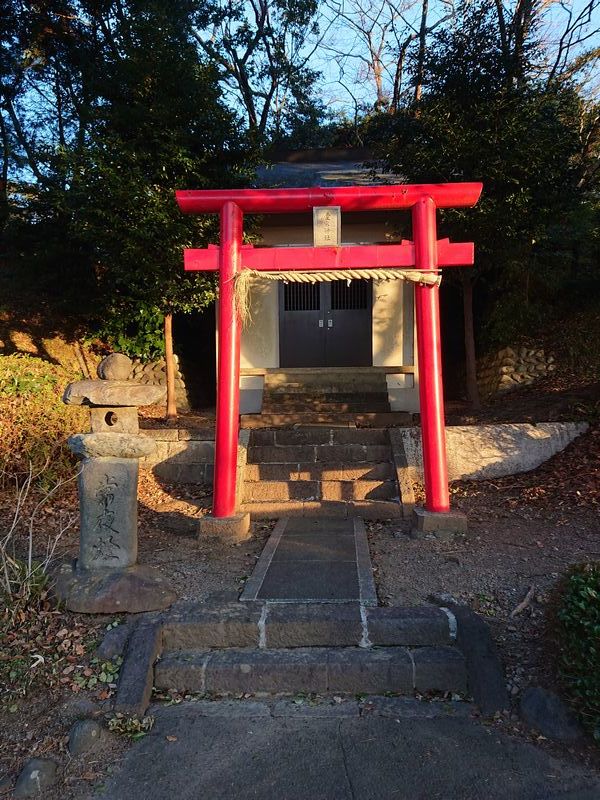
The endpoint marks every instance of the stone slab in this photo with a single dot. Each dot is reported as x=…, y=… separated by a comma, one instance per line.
x=361, y=436
x=110, y=445
x=281, y=491
x=357, y=671
x=546, y=712
x=308, y=547
x=196, y=434
x=375, y=509
x=411, y=708
x=297, y=508
x=313, y=625
x=443, y=525
x=294, y=709
x=346, y=670
x=366, y=582
x=230, y=529
x=231, y=626
x=414, y=626
x=324, y=559
x=359, y=490
x=114, y=642
x=267, y=454
x=318, y=526
x=161, y=434
x=334, y=471
x=110, y=591
x=486, y=680
x=224, y=622
x=310, y=436
x=371, y=758
x=478, y=452
x=184, y=473
x=112, y=393
x=440, y=669
x=136, y=675
x=225, y=708
x=108, y=513
x=290, y=671
x=121, y=419
x=407, y=475
x=310, y=580
x=352, y=452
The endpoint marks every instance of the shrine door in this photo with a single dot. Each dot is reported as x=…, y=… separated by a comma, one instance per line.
x=326, y=324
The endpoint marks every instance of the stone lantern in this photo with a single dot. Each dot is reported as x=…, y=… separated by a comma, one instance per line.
x=106, y=578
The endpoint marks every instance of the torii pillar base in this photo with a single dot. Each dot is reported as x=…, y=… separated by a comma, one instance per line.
x=443, y=525
x=229, y=529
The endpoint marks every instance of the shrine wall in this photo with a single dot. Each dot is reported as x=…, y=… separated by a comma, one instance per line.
x=393, y=315
x=393, y=336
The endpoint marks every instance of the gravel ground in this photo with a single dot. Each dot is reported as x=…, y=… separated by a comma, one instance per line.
x=506, y=556
x=514, y=543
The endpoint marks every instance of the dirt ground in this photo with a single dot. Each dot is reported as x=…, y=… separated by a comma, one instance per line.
x=524, y=532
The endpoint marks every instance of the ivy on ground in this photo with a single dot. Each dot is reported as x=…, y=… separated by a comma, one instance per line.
x=578, y=635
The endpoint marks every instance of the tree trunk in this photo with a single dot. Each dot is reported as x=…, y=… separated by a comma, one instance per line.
x=470, y=360
x=170, y=368
x=421, y=56
x=26, y=144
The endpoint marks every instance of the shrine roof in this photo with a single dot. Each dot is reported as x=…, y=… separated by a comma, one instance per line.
x=324, y=168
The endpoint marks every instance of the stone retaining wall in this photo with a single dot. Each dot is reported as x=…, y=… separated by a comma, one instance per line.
x=188, y=456
x=154, y=372
x=478, y=452
x=181, y=456
x=512, y=367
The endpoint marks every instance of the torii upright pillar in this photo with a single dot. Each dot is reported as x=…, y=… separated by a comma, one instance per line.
x=429, y=350
x=426, y=254
x=228, y=364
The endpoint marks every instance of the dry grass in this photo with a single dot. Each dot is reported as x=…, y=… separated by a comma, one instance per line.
x=34, y=422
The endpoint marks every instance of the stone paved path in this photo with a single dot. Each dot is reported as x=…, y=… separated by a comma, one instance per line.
x=246, y=749
x=314, y=560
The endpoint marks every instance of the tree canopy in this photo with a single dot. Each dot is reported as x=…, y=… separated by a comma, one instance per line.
x=140, y=115
x=109, y=105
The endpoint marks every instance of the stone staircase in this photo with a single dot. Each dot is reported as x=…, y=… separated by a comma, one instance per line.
x=322, y=648
x=321, y=470
x=326, y=396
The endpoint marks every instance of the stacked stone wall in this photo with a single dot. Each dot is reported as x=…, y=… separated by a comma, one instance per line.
x=181, y=456
x=155, y=373
x=512, y=367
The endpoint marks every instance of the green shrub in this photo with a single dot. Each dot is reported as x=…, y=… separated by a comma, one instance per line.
x=578, y=639
x=34, y=422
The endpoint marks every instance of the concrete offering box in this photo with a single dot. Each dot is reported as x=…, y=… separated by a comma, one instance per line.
x=106, y=578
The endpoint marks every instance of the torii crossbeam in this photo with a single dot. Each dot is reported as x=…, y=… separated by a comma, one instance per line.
x=424, y=253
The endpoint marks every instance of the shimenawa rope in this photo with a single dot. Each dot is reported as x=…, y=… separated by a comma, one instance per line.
x=244, y=279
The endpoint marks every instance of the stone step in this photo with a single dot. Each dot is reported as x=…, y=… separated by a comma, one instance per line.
x=326, y=397
x=342, y=419
x=273, y=407
x=288, y=625
x=326, y=453
x=367, y=509
x=320, y=435
x=313, y=471
x=326, y=381
x=314, y=670
x=273, y=491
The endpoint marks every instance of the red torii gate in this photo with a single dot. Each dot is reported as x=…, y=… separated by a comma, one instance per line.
x=424, y=253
